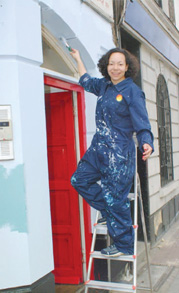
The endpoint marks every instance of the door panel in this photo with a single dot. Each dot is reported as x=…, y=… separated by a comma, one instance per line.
x=63, y=198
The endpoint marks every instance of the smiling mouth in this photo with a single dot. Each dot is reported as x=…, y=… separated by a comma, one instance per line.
x=115, y=74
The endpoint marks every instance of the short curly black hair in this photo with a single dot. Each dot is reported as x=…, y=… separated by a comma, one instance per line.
x=131, y=61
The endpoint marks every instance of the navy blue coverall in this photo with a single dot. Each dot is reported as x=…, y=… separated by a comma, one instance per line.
x=120, y=112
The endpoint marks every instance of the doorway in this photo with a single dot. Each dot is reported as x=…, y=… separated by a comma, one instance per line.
x=67, y=227
x=133, y=46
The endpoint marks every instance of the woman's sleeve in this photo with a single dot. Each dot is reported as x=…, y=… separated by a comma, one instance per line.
x=90, y=84
x=140, y=120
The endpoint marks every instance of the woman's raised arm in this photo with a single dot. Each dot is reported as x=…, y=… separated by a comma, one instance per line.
x=76, y=55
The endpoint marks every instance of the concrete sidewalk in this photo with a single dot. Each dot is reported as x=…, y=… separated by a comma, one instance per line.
x=164, y=260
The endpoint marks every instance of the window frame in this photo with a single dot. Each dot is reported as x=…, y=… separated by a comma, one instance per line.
x=164, y=131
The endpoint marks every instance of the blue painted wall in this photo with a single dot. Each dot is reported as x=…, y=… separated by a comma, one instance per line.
x=12, y=198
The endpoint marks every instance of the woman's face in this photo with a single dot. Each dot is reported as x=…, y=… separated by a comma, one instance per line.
x=117, y=67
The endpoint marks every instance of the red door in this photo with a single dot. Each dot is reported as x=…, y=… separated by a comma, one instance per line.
x=64, y=199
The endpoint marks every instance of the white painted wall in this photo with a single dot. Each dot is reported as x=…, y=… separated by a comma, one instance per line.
x=152, y=66
x=26, y=254
x=88, y=32
x=84, y=24
x=33, y=127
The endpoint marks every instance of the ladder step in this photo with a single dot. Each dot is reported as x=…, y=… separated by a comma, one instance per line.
x=121, y=287
x=97, y=254
x=101, y=228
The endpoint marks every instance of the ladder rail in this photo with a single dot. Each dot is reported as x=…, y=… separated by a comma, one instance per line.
x=135, y=222
x=92, y=248
x=145, y=234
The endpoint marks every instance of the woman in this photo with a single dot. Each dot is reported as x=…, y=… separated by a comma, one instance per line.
x=120, y=112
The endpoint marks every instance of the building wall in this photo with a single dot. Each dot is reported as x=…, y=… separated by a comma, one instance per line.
x=176, y=6
x=165, y=7
x=90, y=33
x=25, y=222
x=25, y=225
x=160, y=197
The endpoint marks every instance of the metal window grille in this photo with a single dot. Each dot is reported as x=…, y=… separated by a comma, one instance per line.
x=165, y=135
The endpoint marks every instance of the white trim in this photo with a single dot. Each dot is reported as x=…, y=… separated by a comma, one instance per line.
x=58, y=75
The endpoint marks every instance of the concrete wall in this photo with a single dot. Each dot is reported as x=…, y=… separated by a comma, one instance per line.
x=161, y=197
x=152, y=66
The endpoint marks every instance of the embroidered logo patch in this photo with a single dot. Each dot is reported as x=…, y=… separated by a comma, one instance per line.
x=119, y=98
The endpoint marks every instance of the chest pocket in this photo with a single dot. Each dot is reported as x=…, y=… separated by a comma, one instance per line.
x=121, y=106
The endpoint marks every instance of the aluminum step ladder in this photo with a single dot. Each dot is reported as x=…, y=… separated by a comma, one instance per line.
x=119, y=286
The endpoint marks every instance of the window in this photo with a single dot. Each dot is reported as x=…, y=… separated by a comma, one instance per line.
x=164, y=128
x=159, y=2
x=133, y=46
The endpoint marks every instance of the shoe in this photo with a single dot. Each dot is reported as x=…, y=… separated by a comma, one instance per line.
x=111, y=251
x=102, y=221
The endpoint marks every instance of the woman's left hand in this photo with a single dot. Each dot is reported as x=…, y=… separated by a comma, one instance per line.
x=147, y=151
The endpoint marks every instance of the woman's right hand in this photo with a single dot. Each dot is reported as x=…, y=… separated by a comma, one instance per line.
x=75, y=54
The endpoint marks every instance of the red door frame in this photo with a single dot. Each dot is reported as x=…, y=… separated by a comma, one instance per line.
x=57, y=83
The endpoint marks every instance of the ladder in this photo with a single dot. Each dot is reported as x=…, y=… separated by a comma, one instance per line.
x=119, y=286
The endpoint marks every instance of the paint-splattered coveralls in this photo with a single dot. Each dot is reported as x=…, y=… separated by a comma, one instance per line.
x=120, y=112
